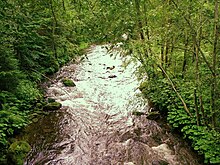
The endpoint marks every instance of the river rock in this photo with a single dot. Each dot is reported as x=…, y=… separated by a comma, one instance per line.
x=52, y=106
x=68, y=83
x=138, y=113
x=159, y=162
x=129, y=163
x=47, y=130
x=110, y=67
x=17, y=152
x=153, y=115
x=112, y=76
x=163, y=150
x=56, y=91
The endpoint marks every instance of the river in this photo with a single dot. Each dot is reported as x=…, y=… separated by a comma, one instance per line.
x=95, y=125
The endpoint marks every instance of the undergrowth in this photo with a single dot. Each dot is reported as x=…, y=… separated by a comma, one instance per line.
x=203, y=138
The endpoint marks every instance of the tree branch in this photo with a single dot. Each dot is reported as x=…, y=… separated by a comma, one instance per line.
x=194, y=36
x=174, y=88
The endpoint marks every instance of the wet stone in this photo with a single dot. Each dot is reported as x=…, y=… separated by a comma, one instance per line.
x=129, y=163
x=110, y=67
x=52, y=106
x=47, y=130
x=126, y=136
x=137, y=113
x=101, y=77
x=68, y=83
x=17, y=152
x=159, y=162
x=112, y=76
x=153, y=115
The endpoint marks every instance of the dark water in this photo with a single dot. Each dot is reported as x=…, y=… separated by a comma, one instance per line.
x=95, y=126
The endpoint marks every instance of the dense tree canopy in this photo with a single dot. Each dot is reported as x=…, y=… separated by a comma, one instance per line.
x=177, y=43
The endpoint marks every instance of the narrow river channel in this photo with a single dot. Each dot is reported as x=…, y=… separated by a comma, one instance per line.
x=95, y=125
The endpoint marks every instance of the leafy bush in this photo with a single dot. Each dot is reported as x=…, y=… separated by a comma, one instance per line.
x=11, y=122
x=27, y=91
x=204, y=139
x=14, y=114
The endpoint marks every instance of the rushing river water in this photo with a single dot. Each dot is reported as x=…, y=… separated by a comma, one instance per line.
x=95, y=125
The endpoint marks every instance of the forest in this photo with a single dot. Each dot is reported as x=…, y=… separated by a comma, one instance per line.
x=177, y=43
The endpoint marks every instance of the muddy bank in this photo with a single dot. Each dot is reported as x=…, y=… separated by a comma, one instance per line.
x=95, y=124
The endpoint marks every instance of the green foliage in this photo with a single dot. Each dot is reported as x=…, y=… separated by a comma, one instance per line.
x=27, y=91
x=161, y=99
x=204, y=139
x=11, y=122
x=36, y=38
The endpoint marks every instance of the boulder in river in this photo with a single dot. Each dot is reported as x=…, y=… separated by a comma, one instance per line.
x=68, y=83
x=129, y=163
x=163, y=150
x=138, y=113
x=110, y=67
x=17, y=152
x=112, y=76
x=153, y=115
x=52, y=106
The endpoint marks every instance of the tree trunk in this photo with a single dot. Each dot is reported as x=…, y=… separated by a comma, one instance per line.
x=196, y=108
x=196, y=83
x=146, y=21
x=214, y=86
x=171, y=51
x=185, y=54
x=166, y=53
x=140, y=25
x=162, y=54
x=53, y=29
x=204, y=117
x=63, y=4
x=177, y=93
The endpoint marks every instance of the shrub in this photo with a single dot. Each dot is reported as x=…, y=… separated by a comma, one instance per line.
x=203, y=139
